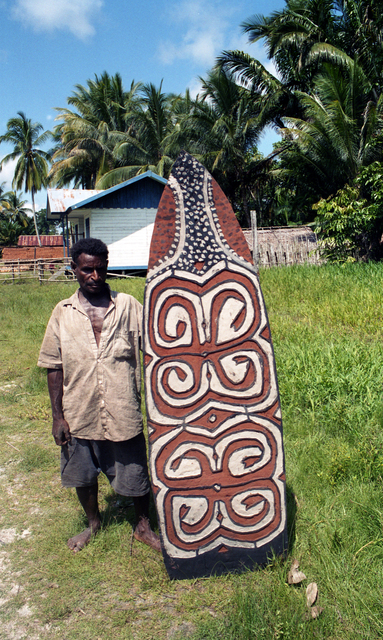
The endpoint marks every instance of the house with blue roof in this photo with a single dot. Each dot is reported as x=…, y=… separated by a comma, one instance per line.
x=122, y=216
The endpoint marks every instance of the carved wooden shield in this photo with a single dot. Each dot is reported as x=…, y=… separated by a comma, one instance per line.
x=214, y=420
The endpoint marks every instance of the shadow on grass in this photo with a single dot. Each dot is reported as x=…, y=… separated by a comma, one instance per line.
x=291, y=506
x=120, y=509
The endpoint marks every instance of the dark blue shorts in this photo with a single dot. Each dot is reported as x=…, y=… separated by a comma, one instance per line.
x=123, y=463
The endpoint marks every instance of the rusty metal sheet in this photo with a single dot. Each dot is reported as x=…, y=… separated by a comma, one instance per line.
x=60, y=200
x=46, y=241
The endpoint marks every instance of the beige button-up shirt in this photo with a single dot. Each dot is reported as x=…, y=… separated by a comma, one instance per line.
x=102, y=385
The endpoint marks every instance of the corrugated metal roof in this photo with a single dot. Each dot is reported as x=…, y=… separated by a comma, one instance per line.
x=59, y=200
x=62, y=200
x=46, y=241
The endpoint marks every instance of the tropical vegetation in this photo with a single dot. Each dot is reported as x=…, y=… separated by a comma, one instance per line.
x=16, y=219
x=31, y=169
x=325, y=99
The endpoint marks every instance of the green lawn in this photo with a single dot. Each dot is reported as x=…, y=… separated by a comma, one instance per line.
x=327, y=330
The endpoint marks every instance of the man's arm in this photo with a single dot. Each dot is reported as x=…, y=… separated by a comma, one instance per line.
x=60, y=427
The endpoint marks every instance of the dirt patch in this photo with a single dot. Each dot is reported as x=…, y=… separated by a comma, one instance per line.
x=16, y=613
x=10, y=535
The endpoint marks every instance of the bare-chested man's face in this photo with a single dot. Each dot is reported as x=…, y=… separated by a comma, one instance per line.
x=90, y=272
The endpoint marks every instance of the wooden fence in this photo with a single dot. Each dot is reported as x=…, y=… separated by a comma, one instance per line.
x=282, y=246
x=52, y=270
x=288, y=254
x=278, y=246
x=49, y=270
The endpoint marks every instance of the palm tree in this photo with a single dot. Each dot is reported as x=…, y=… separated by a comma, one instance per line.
x=153, y=139
x=88, y=134
x=13, y=208
x=302, y=37
x=224, y=127
x=32, y=163
x=326, y=100
x=341, y=132
x=288, y=35
x=10, y=231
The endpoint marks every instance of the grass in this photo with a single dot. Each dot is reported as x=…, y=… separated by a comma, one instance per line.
x=327, y=330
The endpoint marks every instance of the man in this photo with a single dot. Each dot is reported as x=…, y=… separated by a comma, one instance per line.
x=91, y=352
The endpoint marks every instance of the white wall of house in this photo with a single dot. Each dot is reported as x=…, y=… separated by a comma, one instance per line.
x=127, y=233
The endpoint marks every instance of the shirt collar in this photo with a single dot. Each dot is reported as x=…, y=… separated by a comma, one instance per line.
x=74, y=300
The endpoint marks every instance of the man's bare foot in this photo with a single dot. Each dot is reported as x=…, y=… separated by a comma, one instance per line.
x=82, y=539
x=144, y=534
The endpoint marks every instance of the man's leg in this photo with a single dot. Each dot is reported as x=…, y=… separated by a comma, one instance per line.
x=79, y=470
x=88, y=497
x=142, y=531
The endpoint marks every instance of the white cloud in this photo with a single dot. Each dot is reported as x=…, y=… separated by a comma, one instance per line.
x=203, y=29
x=7, y=173
x=203, y=26
x=194, y=87
x=75, y=16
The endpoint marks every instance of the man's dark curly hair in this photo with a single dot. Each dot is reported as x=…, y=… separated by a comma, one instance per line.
x=91, y=246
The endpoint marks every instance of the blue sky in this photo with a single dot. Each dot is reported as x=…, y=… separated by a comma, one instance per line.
x=49, y=46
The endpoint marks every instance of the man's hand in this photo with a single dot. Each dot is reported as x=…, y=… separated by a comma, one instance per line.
x=60, y=428
x=61, y=431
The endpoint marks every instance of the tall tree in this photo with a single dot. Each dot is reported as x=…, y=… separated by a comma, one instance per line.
x=288, y=35
x=13, y=208
x=341, y=132
x=326, y=101
x=15, y=219
x=224, y=127
x=153, y=139
x=32, y=163
x=89, y=132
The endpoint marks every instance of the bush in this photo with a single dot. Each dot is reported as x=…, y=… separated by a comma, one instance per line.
x=349, y=225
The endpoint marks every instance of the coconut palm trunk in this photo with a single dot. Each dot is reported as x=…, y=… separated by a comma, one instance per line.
x=34, y=217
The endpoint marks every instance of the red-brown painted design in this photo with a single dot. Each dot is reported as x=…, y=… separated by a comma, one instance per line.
x=164, y=229
x=216, y=451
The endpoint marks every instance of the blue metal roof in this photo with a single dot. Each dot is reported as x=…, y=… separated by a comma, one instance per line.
x=107, y=192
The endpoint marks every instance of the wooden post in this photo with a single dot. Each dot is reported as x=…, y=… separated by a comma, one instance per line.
x=18, y=267
x=41, y=271
x=13, y=273
x=254, y=233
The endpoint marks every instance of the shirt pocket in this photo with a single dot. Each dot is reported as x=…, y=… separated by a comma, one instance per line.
x=123, y=347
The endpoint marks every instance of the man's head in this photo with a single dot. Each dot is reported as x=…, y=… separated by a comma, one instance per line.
x=90, y=246
x=90, y=263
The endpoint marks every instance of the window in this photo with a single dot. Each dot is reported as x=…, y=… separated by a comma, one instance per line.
x=87, y=227
x=76, y=232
